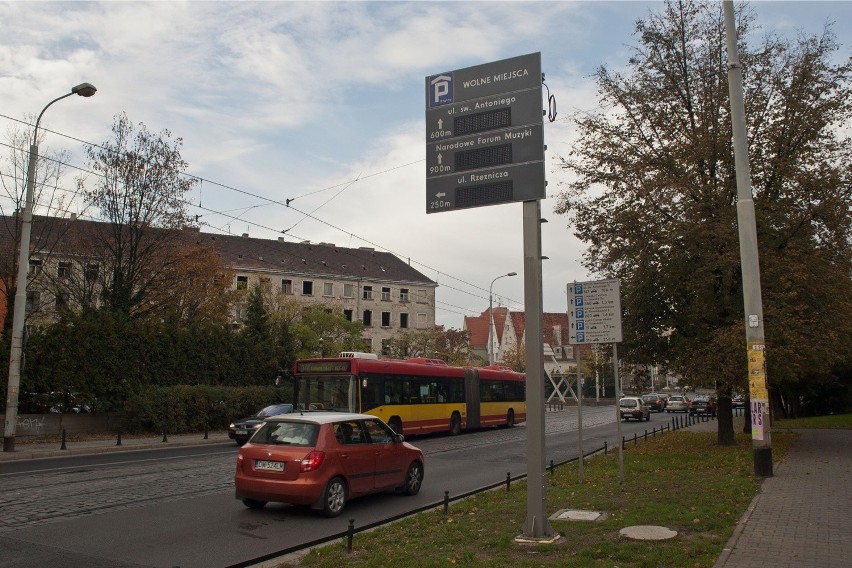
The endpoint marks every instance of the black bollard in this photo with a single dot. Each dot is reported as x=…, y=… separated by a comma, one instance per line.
x=62, y=447
x=551, y=468
x=605, y=448
x=206, y=431
x=508, y=481
x=118, y=438
x=350, y=532
x=165, y=436
x=446, y=502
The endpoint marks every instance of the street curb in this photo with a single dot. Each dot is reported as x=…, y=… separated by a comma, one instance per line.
x=31, y=454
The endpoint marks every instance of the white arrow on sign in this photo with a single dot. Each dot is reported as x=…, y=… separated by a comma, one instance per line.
x=442, y=194
x=440, y=124
x=440, y=158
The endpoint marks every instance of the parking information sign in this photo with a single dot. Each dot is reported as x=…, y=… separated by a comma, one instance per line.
x=485, y=135
x=594, y=312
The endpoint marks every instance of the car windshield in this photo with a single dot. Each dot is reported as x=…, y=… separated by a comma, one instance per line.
x=275, y=410
x=289, y=433
x=628, y=402
x=675, y=398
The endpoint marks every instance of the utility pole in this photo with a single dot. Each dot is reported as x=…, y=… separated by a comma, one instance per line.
x=755, y=342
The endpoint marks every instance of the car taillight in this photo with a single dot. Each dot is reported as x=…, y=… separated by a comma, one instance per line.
x=241, y=463
x=312, y=461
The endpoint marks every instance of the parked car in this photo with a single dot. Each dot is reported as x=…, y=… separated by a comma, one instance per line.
x=703, y=404
x=677, y=403
x=634, y=407
x=738, y=401
x=654, y=401
x=324, y=459
x=243, y=429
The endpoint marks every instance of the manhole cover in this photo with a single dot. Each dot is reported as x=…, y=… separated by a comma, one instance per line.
x=576, y=515
x=648, y=532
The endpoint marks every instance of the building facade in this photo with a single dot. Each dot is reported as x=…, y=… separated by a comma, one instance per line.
x=376, y=288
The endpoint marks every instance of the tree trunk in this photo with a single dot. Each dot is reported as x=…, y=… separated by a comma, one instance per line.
x=725, y=421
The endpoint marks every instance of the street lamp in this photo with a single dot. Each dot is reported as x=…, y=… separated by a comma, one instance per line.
x=19, y=315
x=491, y=330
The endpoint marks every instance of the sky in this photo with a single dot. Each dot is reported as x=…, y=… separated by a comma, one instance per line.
x=321, y=104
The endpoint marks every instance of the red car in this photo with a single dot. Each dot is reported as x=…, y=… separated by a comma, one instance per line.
x=323, y=459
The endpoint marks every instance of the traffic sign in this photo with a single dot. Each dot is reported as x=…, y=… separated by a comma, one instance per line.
x=484, y=135
x=594, y=312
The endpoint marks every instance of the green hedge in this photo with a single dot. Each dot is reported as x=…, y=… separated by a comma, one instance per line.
x=194, y=408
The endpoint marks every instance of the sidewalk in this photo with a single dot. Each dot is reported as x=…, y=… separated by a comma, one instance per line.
x=801, y=517
x=35, y=450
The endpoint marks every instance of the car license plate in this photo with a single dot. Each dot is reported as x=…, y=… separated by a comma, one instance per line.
x=268, y=465
x=242, y=432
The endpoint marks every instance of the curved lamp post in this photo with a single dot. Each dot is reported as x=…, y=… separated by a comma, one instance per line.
x=491, y=329
x=19, y=315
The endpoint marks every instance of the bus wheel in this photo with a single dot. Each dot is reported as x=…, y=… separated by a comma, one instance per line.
x=455, y=424
x=510, y=418
x=396, y=424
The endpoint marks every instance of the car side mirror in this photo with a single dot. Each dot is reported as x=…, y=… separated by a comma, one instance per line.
x=398, y=438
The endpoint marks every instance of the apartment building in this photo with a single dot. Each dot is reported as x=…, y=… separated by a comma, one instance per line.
x=374, y=287
x=377, y=288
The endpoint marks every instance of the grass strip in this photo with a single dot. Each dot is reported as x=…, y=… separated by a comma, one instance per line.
x=682, y=480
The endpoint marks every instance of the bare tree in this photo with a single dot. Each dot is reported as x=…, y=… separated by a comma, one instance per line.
x=139, y=190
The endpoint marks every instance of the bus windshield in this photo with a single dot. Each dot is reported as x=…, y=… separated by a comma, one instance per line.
x=327, y=392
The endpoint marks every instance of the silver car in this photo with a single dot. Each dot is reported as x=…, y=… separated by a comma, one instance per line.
x=677, y=403
x=634, y=407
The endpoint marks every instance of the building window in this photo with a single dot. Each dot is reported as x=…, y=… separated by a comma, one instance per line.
x=368, y=318
x=328, y=289
x=421, y=321
x=286, y=286
x=348, y=291
x=421, y=297
x=242, y=282
x=92, y=272
x=386, y=294
x=348, y=314
x=33, y=300
x=403, y=321
x=385, y=347
x=403, y=294
x=62, y=301
x=307, y=288
x=386, y=319
x=64, y=270
x=35, y=266
x=368, y=292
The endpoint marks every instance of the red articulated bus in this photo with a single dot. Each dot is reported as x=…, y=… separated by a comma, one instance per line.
x=413, y=396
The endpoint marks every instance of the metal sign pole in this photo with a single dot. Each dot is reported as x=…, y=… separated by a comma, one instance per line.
x=537, y=525
x=618, y=412
x=580, y=412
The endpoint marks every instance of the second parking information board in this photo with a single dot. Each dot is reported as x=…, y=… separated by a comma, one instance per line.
x=594, y=312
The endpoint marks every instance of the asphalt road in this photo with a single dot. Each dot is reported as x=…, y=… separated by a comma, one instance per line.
x=177, y=509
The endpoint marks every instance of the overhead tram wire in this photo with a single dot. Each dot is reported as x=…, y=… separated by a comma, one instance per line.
x=286, y=204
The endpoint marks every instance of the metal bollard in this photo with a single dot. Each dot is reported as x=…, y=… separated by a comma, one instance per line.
x=165, y=436
x=62, y=447
x=350, y=533
x=551, y=468
x=508, y=481
x=118, y=438
x=206, y=431
x=446, y=502
x=605, y=448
